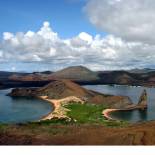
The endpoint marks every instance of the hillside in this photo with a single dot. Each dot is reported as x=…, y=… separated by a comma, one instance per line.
x=80, y=75
x=58, y=134
x=76, y=73
x=64, y=88
x=5, y=75
x=117, y=77
x=141, y=71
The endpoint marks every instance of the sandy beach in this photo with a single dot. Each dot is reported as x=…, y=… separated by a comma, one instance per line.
x=106, y=113
x=59, y=111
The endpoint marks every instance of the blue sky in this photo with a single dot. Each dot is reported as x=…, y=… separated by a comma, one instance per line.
x=66, y=16
x=37, y=35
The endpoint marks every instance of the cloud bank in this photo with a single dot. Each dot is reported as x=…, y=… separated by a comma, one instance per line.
x=130, y=43
x=132, y=20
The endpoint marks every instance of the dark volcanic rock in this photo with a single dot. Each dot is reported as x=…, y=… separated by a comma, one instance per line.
x=22, y=92
x=64, y=88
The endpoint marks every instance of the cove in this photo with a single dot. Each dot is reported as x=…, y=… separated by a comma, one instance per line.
x=21, y=110
x=134, y=93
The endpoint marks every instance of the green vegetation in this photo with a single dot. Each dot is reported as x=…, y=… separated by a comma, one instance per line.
x=84, y=114
x=90, y=114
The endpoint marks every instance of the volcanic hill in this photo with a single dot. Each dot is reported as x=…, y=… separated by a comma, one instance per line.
x=76, y=73
x=64, y=88
x=81, y=75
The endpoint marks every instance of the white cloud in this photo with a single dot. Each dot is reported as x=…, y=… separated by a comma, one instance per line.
x=29, y=34
x=86, y=37
x=47, y=33
x=46, y=48
x=7, y=35
x=1, y=54
x=132, y=20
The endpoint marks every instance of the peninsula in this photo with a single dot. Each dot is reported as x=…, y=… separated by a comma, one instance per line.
x=62, y=92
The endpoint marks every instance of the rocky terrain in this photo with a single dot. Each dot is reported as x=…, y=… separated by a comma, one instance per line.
x=64, y=88
x=41, y=134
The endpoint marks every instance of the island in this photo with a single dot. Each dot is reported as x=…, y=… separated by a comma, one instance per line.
x=78, y=113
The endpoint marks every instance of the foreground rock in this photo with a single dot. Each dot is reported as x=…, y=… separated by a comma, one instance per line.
x=64, y=88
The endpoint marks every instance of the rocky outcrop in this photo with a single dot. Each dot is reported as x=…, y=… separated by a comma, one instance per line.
x=65, y=88
x=142, y=103
x=111, y=101
x=22, y=92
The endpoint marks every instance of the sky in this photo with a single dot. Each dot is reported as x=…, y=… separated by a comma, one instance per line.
x=38, y=35
x=66, y=16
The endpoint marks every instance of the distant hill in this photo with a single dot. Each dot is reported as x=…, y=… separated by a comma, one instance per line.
x=76, y=73
x=30, y=77
x=82, y=75
x=141, y=71
x=5, y=75
x=117, y=77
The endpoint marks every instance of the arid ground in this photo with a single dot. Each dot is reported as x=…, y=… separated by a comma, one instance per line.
x=50, y=134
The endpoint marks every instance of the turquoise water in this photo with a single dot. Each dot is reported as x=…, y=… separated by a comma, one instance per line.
x=20, y=110
x=134, y=93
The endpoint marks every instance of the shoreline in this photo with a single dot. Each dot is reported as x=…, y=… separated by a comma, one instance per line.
x=57, y=104
x=55, y=107
x=59, y=111
x=82, y=84
x=106, y=113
